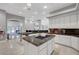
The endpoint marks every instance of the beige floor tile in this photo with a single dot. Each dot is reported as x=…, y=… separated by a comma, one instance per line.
x=62, y=50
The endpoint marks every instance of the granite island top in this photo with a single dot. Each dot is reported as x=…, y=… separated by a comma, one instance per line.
x=37, y=41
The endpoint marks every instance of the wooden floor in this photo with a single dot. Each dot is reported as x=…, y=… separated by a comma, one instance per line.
x=63, y=50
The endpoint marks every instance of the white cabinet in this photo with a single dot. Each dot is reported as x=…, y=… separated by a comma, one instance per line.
x=32, y=50
x=42, y=46
x=62, y=39
x=73, y=21
x=50, y=46
x=50, y=23
x=75, y=42
x=67, y=40
x=56, y=38
x=67, y=21
x=25, y=43
x=53, y=23
x=61, y=22
x=44, y=49
x=78, y=20
x=29, y=49
x=71, y=41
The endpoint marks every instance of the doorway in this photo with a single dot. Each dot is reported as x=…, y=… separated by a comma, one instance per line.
x=13, y=29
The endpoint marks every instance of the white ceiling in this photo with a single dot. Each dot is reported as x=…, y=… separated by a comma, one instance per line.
x=37, y=9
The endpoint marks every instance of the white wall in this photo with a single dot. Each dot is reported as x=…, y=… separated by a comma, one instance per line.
x=3, y=23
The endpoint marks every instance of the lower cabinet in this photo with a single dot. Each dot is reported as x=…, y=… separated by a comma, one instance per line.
x=50, y=46
x=75, y=42
x=25, y=47
x=32, y=50
x=71, y=41
x=62, y=39
x=67, y=40
x=44, y=49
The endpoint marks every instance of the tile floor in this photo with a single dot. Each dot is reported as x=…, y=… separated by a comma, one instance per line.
x=11, y=47
x=62, y=50
x=14, y=46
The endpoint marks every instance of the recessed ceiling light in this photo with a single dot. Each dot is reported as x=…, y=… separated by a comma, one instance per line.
x=25, y=8
x=20, y=12
x=29, y=4
x=32, y=16
x=35, y=13
x=20, y=24
x=45, y=7
x=43, y=13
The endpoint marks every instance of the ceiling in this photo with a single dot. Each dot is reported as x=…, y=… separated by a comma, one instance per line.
x=38, y=10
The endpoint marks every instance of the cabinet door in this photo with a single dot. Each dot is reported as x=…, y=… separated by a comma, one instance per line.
x=67, y=40
x=67, y=21
x=62, y=22
x=58, y=39
x=32, y=49
x=54, y=23
x=73, y=21
x=43, y=46
x=50, y=46
x=78, y=20
x=78, y=43
x=51, y=22
x=43, y=51
x=62, y=39
x=75, y=42
x=25, y=43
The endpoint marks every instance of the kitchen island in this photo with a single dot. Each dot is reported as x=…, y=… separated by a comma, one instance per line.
x=38, y=45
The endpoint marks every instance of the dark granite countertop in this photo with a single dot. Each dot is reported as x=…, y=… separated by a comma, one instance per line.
x=37, y=41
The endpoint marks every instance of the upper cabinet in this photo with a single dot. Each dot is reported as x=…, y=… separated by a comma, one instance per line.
x=60, y=22
x=69, y=20
x=78, y=19
x=73, y=20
